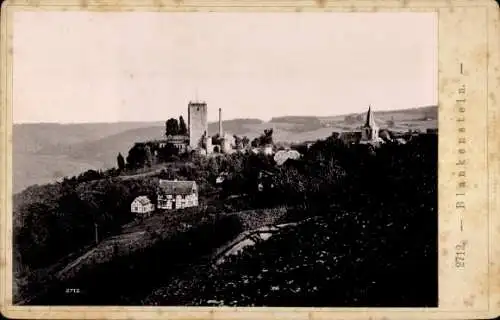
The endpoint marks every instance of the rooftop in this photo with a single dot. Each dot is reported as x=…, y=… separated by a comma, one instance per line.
x=143, y=200
x=196, y=102
x=177, y=187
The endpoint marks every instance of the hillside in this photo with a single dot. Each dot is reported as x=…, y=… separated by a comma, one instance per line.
x=55, y=138
x=359, y=235
x=45, y=152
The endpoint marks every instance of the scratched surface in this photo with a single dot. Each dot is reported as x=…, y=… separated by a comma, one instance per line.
x=469, y=162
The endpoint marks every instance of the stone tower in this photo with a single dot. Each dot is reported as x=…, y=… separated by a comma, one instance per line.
x=370, y=129
x=197, y=123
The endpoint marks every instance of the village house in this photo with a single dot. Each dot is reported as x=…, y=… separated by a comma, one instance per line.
x=268, y=149
x=174, y=194
x=142, y=206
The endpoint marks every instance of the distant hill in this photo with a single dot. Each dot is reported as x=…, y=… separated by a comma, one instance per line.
x=45, y=152
x=32, y=137
x=235, y=126
x=413, y=114
x=105, y=149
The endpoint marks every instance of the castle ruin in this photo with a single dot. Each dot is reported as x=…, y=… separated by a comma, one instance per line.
x=197, y=123
x=199, y=138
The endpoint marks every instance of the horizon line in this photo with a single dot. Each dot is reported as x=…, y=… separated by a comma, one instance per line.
x=216, y=120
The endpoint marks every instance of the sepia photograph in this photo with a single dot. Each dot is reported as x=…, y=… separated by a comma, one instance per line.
x=225, y=159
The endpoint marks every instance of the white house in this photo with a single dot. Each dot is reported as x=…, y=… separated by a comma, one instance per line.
x=268, y=150
x=173, y=194
x=142, y=205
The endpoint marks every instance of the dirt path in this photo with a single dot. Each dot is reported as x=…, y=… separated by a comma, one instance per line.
x=251, y=237
x=141, y=175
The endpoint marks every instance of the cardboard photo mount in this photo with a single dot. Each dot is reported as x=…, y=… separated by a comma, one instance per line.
x=469, y=159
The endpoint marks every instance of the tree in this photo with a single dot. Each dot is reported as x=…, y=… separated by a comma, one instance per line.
x=121, y=162
x=168, y=174
x=238, y=142
x=166, y=153
x=38, y=229
x=216, y=139
x=172, y=127
x=182, y=126
x=90, y=175
x=136, y=156
x=245, y=141
x=268, y=137
x=92, y=202
x=255, y=143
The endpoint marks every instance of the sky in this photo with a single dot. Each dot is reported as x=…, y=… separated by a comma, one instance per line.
x=143, y=66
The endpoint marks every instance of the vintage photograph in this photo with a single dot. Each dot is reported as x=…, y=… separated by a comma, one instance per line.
x=225, y=159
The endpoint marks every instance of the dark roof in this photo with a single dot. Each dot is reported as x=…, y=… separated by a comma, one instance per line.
x=177, y=187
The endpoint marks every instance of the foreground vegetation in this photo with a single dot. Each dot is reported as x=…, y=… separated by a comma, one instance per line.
x=372, y=242
x=374, y=228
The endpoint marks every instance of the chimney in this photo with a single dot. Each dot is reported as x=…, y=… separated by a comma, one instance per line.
x=220, y=122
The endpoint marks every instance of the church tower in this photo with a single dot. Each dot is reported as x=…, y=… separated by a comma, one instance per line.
x=370, y=129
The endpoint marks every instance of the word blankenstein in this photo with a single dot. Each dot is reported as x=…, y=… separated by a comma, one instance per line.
x=461, y=161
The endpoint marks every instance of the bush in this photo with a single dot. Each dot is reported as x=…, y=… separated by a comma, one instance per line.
x=372, y=241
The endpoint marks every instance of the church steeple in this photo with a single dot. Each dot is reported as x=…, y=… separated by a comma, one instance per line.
x=370, y=129
x=370, y=120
